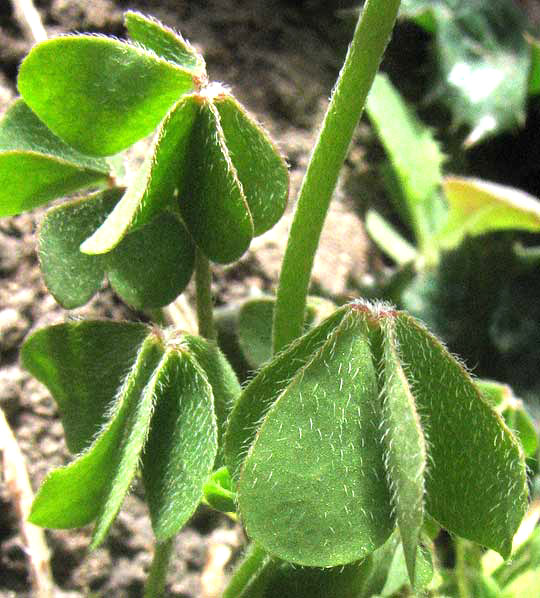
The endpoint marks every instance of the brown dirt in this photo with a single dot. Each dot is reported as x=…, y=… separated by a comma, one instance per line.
x=280, y=59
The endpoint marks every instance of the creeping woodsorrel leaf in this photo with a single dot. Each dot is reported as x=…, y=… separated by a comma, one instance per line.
x=149, y=268
x=69, y=358
x=182, y=445
x=478, y=207
x=36, y=166
x=165, y=42
x=236, y=184
x=155, y=401
x=364, y=423
x=99, y=94
x=156, y=182
x=218, y=166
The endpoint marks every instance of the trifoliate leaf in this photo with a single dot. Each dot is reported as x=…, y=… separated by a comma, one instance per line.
x=478, y=207
x=162, y=402
x=83, y=364
x=344, y=412
x=36, y=166
x=259, y=167
x=315, y=469
x=212, y=201
x=483, y=60
x=165, y=42
x=95, y=483
x=99, y=94
x=156, y=182
x=149, y=268
x=182, y=445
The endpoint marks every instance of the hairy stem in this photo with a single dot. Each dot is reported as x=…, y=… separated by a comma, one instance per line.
x=251, y=573
x=371, y=36
x=203, y=284
x=155, y=584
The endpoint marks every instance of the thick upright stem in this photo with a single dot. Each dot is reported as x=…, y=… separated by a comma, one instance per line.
x=155, y=584
x=363, y=58
x=203, y=284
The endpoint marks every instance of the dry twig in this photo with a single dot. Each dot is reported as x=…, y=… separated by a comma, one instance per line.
x=28, y=18
x=20, y=491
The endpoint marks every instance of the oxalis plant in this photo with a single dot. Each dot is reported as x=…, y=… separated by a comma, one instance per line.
x=350, y=447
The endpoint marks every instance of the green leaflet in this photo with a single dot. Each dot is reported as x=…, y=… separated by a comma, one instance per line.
x=182, y=445
x=149, y=268
x=141, y=393
x=70, y=358
x=408, y=143
x=152, y=265
x=476, y=482
x=156, y=182
x=98, y=94
x=502, y=399
x=219, y=492
x=312, y=489
x=165, y=42
x=259, y=167
x=266, y=387
x=212, y=201
x=27, y=146
x=405, y=457
x=382, y=573
x=225, y=386
x=254, y=325
x=95, y=483
x=478, y=207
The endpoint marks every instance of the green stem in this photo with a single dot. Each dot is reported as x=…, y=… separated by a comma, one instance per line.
x=155, y=584
x=205, y=306
x=462, y=579
x=251, y=574
x=363, y=58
